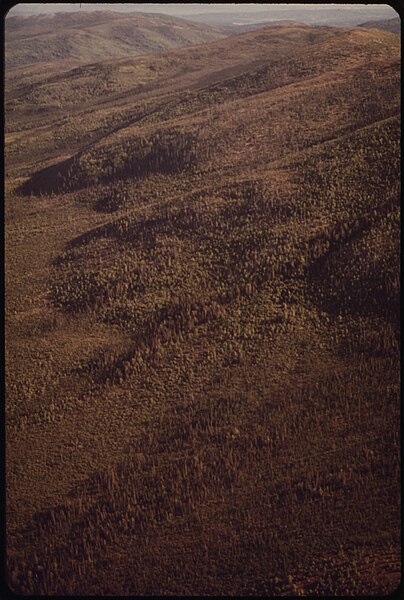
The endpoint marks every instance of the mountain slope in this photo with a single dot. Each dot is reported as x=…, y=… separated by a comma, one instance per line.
x=393, y=25
x=202, y=274
x=248, y=104
x=94, y=36
x=134, y=86
x=232, y=51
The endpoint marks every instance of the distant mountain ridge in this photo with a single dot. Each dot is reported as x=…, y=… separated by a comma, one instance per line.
x=87, y=37
x=241, y=27
x=393, y=25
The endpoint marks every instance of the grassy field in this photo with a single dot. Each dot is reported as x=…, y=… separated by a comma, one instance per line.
x=202, y=319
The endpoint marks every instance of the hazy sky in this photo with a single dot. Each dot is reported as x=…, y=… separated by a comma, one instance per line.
x=194, y=8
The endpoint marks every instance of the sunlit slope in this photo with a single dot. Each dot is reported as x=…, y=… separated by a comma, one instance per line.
x=74, y=109
x=53, y=115
x=153, y=72
x=332, y=88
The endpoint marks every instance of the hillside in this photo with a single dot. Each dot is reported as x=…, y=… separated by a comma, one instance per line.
x=146, y=79
x=86, y=37
x=393, y=25
x=202, y=320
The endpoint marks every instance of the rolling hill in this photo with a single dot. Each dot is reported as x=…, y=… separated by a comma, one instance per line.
x=393, y=25
x=202, y=319
x=86, y=37
x=128, y=81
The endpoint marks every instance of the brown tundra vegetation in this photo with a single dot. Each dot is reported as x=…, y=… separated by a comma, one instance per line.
x=202, y=317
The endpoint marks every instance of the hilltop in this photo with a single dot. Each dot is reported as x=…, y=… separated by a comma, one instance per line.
x=85, y=37
x=202, y=311
x=393, y=25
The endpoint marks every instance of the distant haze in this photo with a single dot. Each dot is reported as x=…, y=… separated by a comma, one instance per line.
x=223, y=14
